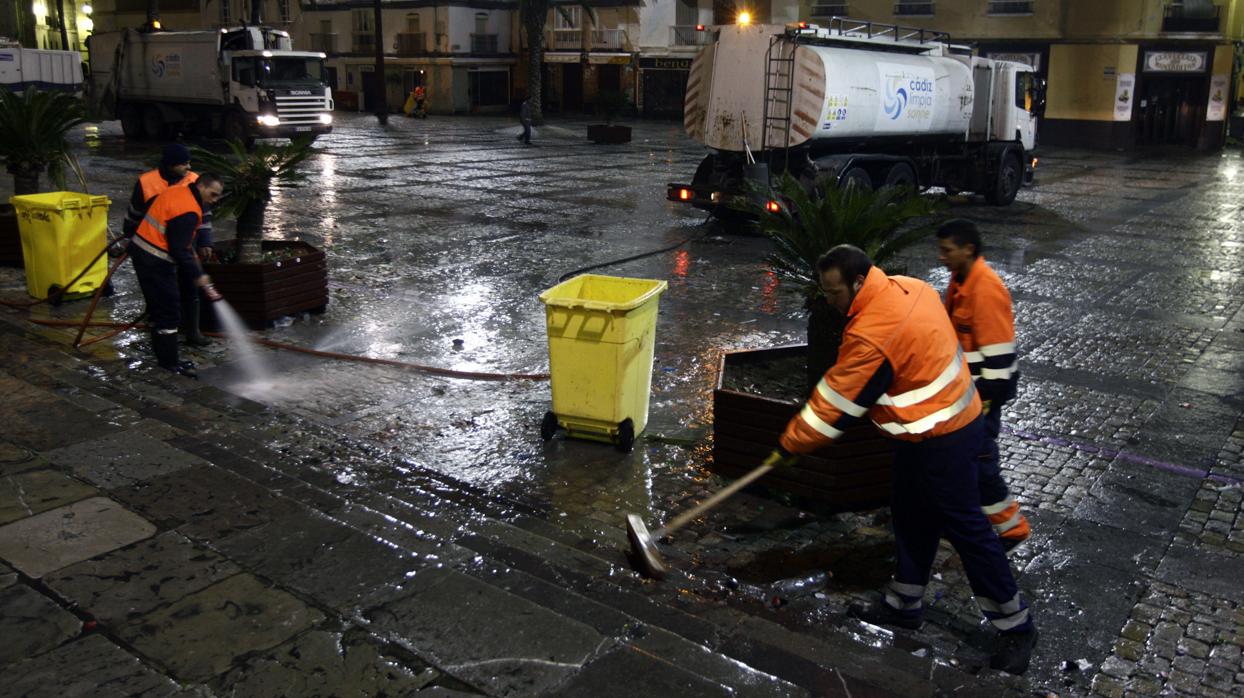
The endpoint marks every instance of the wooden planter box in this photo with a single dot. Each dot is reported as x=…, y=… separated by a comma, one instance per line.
x=851, y=475
x=608, y=135
x=261, y=293
x=10, y=237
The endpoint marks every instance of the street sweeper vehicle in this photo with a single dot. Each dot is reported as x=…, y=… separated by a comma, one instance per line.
x=856, y=103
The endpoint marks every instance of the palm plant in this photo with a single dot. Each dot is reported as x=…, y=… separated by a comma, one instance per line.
x=33, y=127
x=249, y=177
x=813, y=220
x=535, y=17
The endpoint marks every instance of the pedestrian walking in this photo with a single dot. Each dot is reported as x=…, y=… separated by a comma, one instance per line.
x=524, y=116
x=900, y=364
x=174, y=171
x=980, y=310
x=167, y=266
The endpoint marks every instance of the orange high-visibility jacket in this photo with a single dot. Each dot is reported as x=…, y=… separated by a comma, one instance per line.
x=154, y=184
x=980, y=310
x=174, y=202
x=899, y=363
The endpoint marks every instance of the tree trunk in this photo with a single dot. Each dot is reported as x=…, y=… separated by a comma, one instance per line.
x=534, y=20
x=25, y=180
x=825, y=329
x=250, y=233
x=382, y=85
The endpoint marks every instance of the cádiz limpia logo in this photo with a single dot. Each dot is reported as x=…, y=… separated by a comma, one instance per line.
x=910, y=93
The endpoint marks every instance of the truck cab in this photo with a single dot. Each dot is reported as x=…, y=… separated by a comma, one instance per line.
x=286, y=91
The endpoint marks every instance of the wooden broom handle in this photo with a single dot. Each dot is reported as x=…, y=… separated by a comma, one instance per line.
x=699, y=509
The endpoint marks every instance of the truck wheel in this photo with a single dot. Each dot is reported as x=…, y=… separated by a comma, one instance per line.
x=131, y=122
x=154, y=125
x=1006, y=186
x=856, y=177
x=901, y=175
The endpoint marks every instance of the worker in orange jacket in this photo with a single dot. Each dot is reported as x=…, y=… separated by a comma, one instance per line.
x=980, y=311
x=900, y=365
x=174, y=171
x=162, y=251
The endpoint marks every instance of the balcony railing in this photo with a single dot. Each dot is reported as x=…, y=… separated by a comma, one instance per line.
x=364, y=43
x=609, y=39
x=1010, y=7
x=566, y=39
x=324, y=42
x=829, y=9
x=688, y=35
x=484, y=44
x=914, y=9
x=411, y=44
x=1202, y=19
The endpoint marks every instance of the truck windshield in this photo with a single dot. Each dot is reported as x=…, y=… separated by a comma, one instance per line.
x=292, y=71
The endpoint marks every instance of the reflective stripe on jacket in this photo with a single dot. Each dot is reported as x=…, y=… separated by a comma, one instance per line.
x=899, y=363
x=174, y=202
x=154, y=184
x=980, y=310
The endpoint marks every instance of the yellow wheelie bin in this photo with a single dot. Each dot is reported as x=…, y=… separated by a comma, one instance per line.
x=601, y=332
x=62, y=232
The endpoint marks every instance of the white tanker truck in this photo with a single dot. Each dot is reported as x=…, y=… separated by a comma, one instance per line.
x=856, y=104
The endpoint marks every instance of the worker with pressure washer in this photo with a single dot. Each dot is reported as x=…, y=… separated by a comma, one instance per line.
x=167, y=266
x=900, y=364
x=980, y=310
x=174, y=171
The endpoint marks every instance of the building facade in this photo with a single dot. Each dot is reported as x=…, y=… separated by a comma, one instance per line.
x=1120, y=73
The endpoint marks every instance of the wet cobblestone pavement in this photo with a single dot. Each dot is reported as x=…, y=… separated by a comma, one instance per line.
x=365, y=530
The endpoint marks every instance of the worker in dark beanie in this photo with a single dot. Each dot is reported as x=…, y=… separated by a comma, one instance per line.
x=174, y=171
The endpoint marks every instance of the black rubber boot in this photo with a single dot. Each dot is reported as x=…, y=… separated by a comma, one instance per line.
x=881, y=613
x=1013, y=651
x=190, y=323
x=165, y=347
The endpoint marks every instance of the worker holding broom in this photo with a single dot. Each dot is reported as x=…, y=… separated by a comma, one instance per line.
x=901, y=365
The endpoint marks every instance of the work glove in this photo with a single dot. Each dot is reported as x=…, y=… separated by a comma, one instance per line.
x=780, y=458
x=210, y=292
x=985, y=405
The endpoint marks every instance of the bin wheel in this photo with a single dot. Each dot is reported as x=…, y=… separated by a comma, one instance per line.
x=53, y=296
x=548, y=427
x=626, y=436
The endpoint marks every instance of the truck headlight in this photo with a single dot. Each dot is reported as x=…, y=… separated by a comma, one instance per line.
x=268, y=120
x=326, y=118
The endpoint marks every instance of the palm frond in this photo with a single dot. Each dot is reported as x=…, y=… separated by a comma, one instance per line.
x=814, y=219
x=33, y=127
x=250, y=175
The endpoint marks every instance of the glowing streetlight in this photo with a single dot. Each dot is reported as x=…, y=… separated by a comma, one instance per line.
x=745, y=18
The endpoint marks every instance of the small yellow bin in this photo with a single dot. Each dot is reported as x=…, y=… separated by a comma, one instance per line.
x=601, y=330
x=62, y=232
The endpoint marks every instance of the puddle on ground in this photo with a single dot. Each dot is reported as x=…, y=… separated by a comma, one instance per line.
x=858, y=566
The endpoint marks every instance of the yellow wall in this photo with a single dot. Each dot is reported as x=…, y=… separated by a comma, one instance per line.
x=1078, y=85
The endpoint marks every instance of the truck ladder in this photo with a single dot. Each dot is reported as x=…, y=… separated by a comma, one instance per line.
x=779, y=96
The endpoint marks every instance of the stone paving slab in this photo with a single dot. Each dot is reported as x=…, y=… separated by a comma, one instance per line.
x=1204, y=571
x=325, y=560
x=34, y=491
x=127, y=583
x=121, y=460
x=205, y=502
x=202, y=634
x=487, y=636
x=31, y=624
x=90, y=667
x=59, y=537
x=40, y=420
x=17, y=459
x=329, y=663
x=7, y=575
x=614, y=675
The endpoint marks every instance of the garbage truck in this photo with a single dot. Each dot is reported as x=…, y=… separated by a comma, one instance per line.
x=856, y=103
x=242, y=82
x=31, y=68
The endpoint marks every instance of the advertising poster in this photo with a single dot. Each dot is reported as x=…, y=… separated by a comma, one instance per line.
x=1219, y=88
x=1124, y=96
